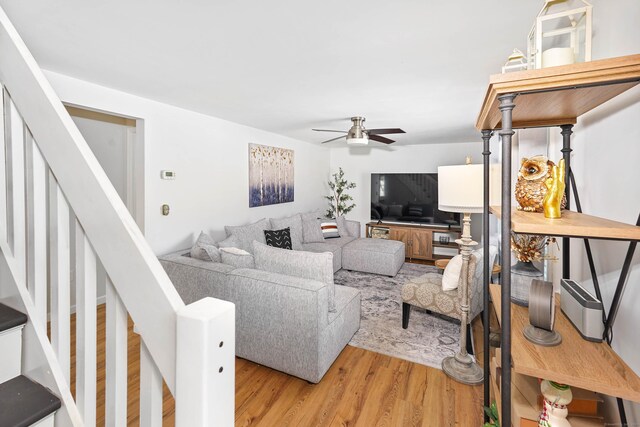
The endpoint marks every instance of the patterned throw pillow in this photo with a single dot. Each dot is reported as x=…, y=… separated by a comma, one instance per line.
x=329, y=228
x=279, y=238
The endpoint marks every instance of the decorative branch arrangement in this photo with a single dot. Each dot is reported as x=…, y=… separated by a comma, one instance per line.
x=339, y=200
x=528, y=247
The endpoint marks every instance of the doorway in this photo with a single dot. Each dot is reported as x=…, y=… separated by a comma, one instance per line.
x=117, y=142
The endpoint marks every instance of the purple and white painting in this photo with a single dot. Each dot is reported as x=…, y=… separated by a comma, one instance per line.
x=270, y=175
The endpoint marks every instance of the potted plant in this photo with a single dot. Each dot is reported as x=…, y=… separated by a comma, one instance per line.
x=339, y=201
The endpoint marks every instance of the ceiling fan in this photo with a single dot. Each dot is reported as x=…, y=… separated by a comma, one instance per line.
x=358, y=135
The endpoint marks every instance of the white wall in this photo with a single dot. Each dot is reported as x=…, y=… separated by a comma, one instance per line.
x=108, y=141
x=606, y=147
x=210, y=159
x=359, y=163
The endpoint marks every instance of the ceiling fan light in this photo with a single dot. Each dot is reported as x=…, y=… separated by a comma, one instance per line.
x=363, y=140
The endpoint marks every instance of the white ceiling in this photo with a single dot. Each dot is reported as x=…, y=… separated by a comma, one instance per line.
x=289, y=66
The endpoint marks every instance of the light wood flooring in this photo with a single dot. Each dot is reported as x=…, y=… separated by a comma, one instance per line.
x=362, y=388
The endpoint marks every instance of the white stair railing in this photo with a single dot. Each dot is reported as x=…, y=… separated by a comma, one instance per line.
x=62, y=224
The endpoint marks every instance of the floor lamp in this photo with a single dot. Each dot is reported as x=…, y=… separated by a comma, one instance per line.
x=460, y=190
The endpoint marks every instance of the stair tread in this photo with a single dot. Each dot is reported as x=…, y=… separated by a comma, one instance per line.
x=23, y=402
x=10, y=318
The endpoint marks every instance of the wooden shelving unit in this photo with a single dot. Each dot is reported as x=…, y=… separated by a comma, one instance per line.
x=577, y=362
x=558, y=95
x=549, y=97
x=572, y=224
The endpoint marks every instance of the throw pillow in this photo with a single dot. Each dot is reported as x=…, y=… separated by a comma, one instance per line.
x=329, y=229
x=451, y=274
x=205, y=249
x=278, y=238
x=343, y=229
x=229, y=242
x=311, y=231
x=294, y=223
x=307, y=265
x=234, y=251
x=248, y=233
x=237, y=258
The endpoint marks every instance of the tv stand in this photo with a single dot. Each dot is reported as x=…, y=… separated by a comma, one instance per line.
x=421, y=242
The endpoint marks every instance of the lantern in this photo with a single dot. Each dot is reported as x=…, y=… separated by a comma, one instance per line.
x=515, y=62
x=561, y=34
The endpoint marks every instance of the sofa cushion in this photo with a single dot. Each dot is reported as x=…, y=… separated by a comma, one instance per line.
x=329, y=228
x=327, y=247
x=294, y=223
x=311, y=231
x=279, y=238
x=307, y=265
x=238, y=258
x=341, y=241
x=205, y=249
x=246, y=234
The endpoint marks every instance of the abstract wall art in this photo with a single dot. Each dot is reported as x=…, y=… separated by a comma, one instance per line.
x=270, y=175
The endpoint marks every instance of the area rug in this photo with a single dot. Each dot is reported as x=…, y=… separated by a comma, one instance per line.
x=427, y=340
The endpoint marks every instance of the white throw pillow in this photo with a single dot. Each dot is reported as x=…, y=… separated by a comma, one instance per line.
x=235, y=251
x=451, y=274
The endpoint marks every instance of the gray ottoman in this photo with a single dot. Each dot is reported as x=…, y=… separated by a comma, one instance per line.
x=378, y=256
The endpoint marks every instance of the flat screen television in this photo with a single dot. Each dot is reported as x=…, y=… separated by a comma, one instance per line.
x=410, y=198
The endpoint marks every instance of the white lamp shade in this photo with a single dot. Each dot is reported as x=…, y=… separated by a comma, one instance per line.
x=460, y=188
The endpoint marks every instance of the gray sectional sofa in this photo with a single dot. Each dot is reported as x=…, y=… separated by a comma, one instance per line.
x=290, y=315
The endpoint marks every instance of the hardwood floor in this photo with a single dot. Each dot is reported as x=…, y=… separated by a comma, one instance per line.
x=362, y=388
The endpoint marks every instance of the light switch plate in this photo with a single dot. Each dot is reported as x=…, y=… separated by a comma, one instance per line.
x=167, y=175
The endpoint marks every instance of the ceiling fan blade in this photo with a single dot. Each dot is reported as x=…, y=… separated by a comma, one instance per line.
x=384, y=131
x=381, y=139
x=334, y=139
x=327, y=130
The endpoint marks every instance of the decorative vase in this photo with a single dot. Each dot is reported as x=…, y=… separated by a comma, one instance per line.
x=522, y=274
x=556, y=398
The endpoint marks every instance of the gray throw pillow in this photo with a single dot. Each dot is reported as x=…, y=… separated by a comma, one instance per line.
x=237, y=260
x=246, y=234
x=311, y=231
x=229, y=242
x=205, y=249
x=343, y=230
x=307, y=265
x=295, y=228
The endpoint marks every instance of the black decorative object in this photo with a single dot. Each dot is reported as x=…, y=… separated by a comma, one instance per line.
x=279, y=238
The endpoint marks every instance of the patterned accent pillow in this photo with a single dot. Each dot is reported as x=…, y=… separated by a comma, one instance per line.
x=205, y=249
x=279, y=238
x=329, y=229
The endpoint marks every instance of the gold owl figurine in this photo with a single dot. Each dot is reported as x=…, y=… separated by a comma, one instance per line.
x=530, y=187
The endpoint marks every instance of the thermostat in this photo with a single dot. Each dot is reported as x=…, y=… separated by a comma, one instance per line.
x=167, y=175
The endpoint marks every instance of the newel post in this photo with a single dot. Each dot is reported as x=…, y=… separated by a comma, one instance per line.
x=205, y=364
